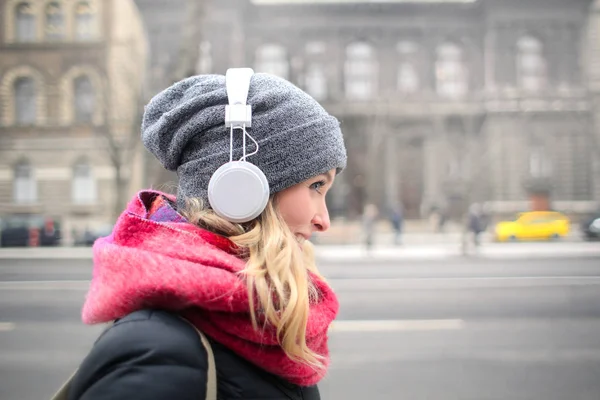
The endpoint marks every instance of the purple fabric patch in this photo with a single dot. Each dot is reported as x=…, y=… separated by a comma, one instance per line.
x=166, y=213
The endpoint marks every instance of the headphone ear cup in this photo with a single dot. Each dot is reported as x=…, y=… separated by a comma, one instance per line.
x=238, y=191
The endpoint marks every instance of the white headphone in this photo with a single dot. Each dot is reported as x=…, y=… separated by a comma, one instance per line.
x=238, y=191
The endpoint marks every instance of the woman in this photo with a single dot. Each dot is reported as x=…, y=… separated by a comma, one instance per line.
x=173, y=264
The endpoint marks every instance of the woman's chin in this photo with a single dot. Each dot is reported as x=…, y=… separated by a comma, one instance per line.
x=301, y=241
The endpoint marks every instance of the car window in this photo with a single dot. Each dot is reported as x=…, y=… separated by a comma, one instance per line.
x=526, y=219
x=538, y=221
x=15, y=221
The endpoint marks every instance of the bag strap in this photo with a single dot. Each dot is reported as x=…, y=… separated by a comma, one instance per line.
x=211, y=375
x=63, y=392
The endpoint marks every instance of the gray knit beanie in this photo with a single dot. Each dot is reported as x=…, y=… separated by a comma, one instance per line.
x=184, y=127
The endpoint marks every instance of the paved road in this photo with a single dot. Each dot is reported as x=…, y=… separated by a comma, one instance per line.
x=448, y=330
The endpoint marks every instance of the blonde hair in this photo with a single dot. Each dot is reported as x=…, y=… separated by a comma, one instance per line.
x=276, y=273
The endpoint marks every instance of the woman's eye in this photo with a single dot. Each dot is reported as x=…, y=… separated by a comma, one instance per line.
x=317, y=185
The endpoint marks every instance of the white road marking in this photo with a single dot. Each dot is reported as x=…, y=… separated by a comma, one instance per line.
x=367, y=284
x=7, y=326
x=559, y=358
x=45, y=253
x=45, y=285
x=397, y=325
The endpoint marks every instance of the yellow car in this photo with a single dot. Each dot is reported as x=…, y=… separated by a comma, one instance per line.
x=534, y=225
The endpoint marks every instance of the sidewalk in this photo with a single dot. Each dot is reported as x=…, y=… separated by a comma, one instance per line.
x=357, y=253
x=415, y=232
x=508, y=251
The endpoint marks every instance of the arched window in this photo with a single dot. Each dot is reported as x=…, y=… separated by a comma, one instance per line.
x=25, y=101
x=408, y=76
x=84, y=99
x=25, y=22
x=360, y=71
x=85, y=21
x=272, y=59
x=531, y=64
x=451, y=72
x=24, y=184
x=315, y=80
x=83, y=184
x=55, y=21
x=204, y=64
x=540, y=165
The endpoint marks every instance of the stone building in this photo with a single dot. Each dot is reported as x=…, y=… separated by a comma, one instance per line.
x=71, y=74
x=443, y=103
x=167, y=23
x=173, y=32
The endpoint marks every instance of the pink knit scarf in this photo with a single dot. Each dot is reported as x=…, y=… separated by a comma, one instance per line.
x=180, y=267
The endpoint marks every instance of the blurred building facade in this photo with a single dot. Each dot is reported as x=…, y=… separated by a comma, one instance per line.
x=71, y=75
x=173, y=30
x=442, y=103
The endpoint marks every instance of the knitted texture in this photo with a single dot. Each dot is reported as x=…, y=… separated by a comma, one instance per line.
x=184, y=127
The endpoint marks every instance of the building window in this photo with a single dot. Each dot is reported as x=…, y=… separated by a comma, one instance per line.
x=84, y=99
x=360, y=71
x=84, y=21
x=25, y=186
x=457, y=167
x=272, y=59
x=55, y=21
x=453, y=168
x=25, y=22
x=540, y=165
x=25, y=101
x=315, y=81
x=204, y=64
x=531, y=64
x=408, y=76
x=451, y=72
x=84, y=184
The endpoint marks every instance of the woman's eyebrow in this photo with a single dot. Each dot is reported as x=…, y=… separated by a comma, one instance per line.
x=329, y=176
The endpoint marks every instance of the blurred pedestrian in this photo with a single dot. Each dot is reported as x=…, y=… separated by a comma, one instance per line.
x=443, y=218
x=397, y=221
x=176, y=266
x=436, y=220
x=476, y=223
x=369, y=218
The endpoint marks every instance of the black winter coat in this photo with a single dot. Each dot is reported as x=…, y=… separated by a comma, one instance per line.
x=155, y=355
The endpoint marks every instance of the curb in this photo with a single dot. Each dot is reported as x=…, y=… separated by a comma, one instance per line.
x=64, y=253
x=354, y=253
x=454, y=256
x=505, y=251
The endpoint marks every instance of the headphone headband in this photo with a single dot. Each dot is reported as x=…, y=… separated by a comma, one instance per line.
x=238, y=191
x=238, y=114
